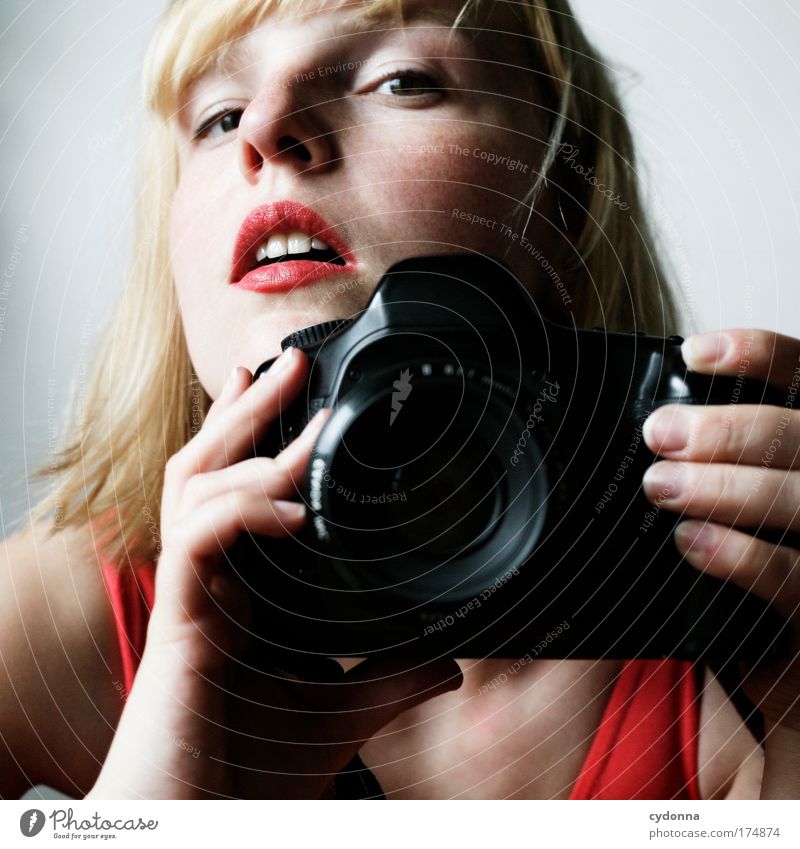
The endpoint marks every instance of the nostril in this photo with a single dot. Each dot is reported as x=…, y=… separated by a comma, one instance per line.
x=287, y=143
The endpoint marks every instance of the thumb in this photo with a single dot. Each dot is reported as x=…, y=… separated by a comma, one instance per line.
x=377, y=691
x=397, y=685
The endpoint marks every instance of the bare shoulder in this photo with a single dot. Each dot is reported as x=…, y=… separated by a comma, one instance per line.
x=730, y=759
x=58, y=708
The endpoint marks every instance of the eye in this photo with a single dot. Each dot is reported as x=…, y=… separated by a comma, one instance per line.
x=226, y=118
x=408, y=83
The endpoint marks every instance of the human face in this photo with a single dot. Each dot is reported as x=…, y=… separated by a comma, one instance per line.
x=401, y=138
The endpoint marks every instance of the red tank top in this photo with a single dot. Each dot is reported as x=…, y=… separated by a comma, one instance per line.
x=645, y=746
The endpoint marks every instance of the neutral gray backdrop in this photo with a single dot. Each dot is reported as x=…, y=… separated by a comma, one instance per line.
x=712, y=88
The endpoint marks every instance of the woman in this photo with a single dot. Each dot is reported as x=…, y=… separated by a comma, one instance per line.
x=403, y=136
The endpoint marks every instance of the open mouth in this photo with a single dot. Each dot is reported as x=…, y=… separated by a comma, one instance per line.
x=314, y=255
x=288, y=231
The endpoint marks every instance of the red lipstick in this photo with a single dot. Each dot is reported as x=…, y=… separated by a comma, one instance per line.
x=283, y=275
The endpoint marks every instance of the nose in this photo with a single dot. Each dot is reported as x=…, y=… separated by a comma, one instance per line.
x=279, y=130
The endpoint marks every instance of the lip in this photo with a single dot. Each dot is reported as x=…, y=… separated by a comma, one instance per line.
x=283, y=217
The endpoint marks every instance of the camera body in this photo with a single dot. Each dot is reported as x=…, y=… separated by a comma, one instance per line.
x=477, y=491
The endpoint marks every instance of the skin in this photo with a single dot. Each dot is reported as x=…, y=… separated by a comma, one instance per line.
x=414, y=726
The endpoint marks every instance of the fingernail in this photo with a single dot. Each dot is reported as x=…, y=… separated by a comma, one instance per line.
x=663, y=481
x=706, y=347
x=667, y=429
x=694, y=536
x=280, y=364
x=289, y=511
x=317, y=421
x=454, y=679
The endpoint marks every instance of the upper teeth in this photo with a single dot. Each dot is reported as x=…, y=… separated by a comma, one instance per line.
x=280, y=244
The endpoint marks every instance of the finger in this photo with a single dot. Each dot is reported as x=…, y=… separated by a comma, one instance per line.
x=193, y=553
x=752, y=434
x=771, y=572
x=233, y=435
x=176, y=473
x=233, y=601
x=737, y=495
x=335, y=718
x=238, y=380
x=276, y=478
x=295, y=455
x=761, y=354
x=373, y=693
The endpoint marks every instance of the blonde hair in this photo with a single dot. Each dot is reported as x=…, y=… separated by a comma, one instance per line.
x=142, y=400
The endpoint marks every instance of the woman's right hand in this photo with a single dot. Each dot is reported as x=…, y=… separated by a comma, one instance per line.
x=198, y=722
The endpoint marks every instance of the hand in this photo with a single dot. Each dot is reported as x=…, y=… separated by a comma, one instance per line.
x=739, y=466
x=199, y=721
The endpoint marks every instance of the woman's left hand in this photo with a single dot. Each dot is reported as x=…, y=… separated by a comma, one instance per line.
x=738, y=466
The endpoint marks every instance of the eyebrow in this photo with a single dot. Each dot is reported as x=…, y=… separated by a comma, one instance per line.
x=363, y=22
x=233, y=55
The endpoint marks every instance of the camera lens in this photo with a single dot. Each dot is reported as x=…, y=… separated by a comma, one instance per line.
x=434, y=496
x=427, y=503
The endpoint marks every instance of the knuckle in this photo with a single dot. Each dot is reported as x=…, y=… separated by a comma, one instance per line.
x=792, y=483
x=721, y=482
x=761, y=345
x=705, y=486
x=193, y=491
x=698, y=428
x=182, y=538
x=728, y=433
x=272, y=472
x=216, y=405
x=744, y=341
x=761, y=337
x=737, y=337
x=215, y=526
x=173, y=466
x=777, y=426
x=261, y=414
x=689, y=490
x=706, y=433
x=206, y=522
x=233, y=504
x=264, y=467
x=185, y=462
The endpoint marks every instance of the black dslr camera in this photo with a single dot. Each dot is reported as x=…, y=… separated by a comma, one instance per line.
x=477, y=488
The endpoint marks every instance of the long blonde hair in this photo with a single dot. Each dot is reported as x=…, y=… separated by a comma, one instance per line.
x=142, y=400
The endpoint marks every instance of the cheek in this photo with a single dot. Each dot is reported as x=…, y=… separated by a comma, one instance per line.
x=201, y=234
x=196, y=267
x=188, y=241
x=456, y=192
x=185, y=246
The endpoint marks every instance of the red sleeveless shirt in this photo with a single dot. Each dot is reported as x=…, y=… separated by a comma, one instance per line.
x=645, y=746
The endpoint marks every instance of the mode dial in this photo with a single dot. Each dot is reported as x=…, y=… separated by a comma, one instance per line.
x=308, y=337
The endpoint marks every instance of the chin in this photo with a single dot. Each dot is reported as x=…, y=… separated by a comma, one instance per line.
x=262, y=338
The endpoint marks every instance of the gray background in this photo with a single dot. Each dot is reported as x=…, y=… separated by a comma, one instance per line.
x=712, y=92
